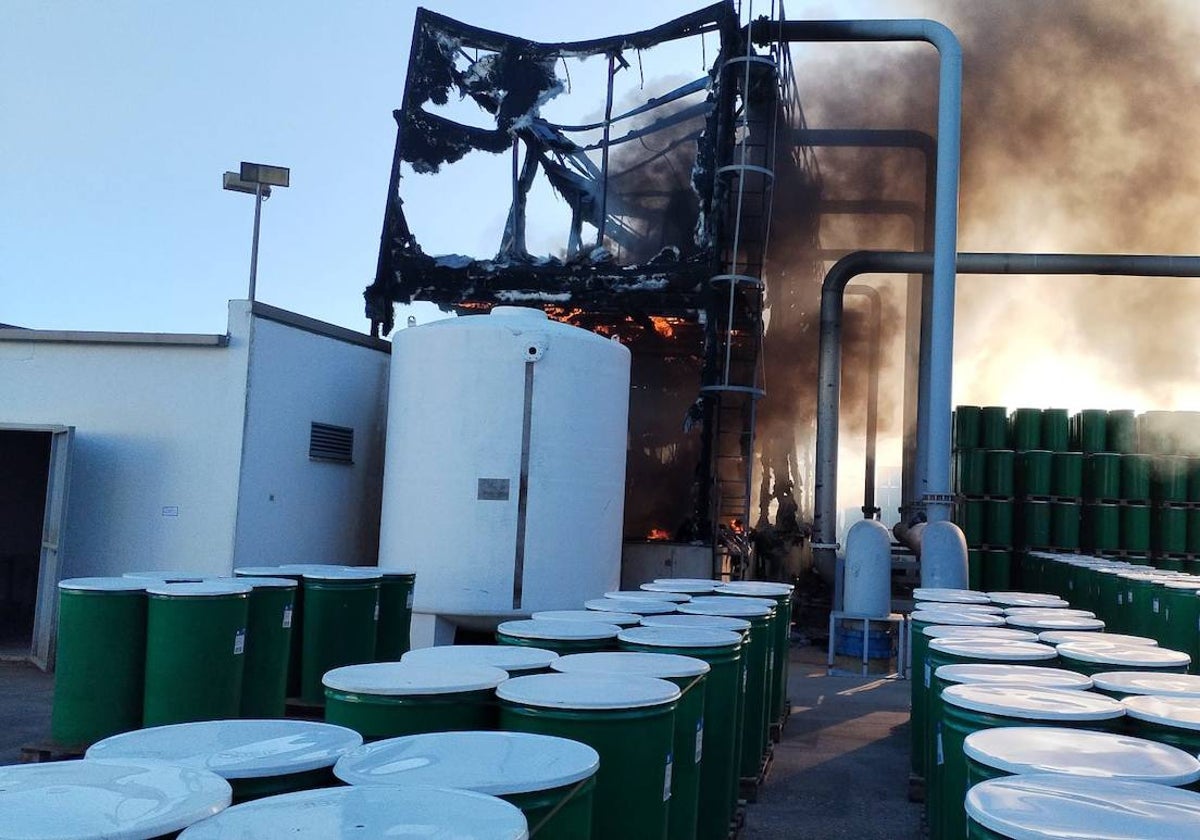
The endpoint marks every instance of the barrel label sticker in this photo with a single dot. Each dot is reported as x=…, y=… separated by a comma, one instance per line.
x=667, y=780
x=699, y=740
x=239, y=642
x=941, y=756
x=1155, y=606
x=745, y=678
x=927, y=674
x=1120, y=599
x=287, y=616
x=408, y=602
x=1070, y=584
x=376, y=607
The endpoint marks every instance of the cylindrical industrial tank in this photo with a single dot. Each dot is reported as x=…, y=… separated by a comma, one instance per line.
x=943, y=556
x=504, y=478
x=868, y=578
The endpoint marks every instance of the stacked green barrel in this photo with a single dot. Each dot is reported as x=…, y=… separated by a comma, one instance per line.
x=984, y=474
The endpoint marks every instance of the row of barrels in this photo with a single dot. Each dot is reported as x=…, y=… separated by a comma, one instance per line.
x=1031, y=719
x=1097, y=476
x=1091, y=430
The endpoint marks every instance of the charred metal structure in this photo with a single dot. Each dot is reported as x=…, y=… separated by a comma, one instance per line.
x=669, y=219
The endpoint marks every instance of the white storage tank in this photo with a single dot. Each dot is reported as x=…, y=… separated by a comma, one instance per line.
x=504, y=475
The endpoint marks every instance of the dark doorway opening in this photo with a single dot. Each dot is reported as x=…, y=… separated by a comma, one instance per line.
x=24, y=473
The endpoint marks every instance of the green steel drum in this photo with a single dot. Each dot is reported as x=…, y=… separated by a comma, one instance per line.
x=1066, y=475
x=971, y=520
x=1194, y=479
x=1035, y=526
x=294, y=572
x=1064, y=525
x=1035, y=472
x=268, y=646
x=1097, y=657
x=1122, y=684
x=1135, y=478
x=970, y=471
x=998, y=523
x=257, y=757
x=967, y=422
x=1135, y=597
x=1122, y=431
x=1102, y=476
x=1169, y=530
x=993, y=427
x=1192, y=528
x=559, y=635
x=760, y=613
x=394, y=628
x=1026, y=431
x=1169, y=479
x=975, y=568
x=720, y=645
x=515, y=660
x=1000, y=472
x=341, y=614
x=1168, y=720
x=997, y=569
x=1056, y=429
x=690, y=675
x=552, y=780
x=195, y=651
x=1102, y=527
x=1181, y=618
x=1135, y=528
x=628, y=720
x=971, y=708
x=389, y=699
x=101, y=658
x=781, y=594
x=1091, y=430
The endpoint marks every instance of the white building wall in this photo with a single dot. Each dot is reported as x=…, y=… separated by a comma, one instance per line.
x=293, y=509
x=158, y=444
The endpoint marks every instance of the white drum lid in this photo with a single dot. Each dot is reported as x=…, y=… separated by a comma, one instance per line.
x=587, y=692
x=1042, y=621
x=649, y=595
x=1027, y=599
x=397, y=813
x=168, y=577
x=1158, y=683
x=206, y=589
x=103, y=584
x=1127, y=655
x=697, y=581
x=402, y=679
x=1028, y=675
x=1179, y=712
x=114, y=800
x=1062, y=612
x=662, y=666
x=950, y=596
x=510, y=658
x=1062, y=637
x=995, y=650
x=1015, y=701
x=1182, y=584
x=680, y=637
x=963, y=631
x=756, y=588
x=267, y=571
x=235, y=749
x=711, y=622
x=594, y=616
x=687, y=587
x=728, y=605
x=496, y=763
x=556, y=630
x=367, y=573
x=962, y=618
x=1045, y=806
x=264, y=582
x=937, y=606
x=637, y=606
x=1021, y=750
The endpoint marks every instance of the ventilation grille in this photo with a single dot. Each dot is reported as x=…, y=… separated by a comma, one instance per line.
x=331, y=443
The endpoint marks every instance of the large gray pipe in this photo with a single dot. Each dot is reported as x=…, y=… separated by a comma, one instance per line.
x=933, y=424
x=874, y=339
x=902, y=262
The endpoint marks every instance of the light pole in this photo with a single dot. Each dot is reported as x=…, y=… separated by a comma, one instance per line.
x=257, y=180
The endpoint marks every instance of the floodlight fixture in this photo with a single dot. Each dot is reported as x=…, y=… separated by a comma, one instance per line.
x=256, y=179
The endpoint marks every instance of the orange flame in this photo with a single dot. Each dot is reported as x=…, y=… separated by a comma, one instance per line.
x=658, y=534
x=663, y=326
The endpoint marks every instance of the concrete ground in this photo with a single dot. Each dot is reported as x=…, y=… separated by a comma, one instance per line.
x=841, y=769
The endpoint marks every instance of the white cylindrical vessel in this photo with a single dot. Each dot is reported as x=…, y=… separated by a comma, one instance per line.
x=504, y=476
x=943, y=556
x=867, y=589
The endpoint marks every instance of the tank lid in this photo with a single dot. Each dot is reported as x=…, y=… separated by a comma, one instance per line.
x=1079, y=752
x=398, y=813
x=168, y=577
x=732, y=607
x=663, y=666
x=401, y=679
x=262, y=582
x=1026, y=599
x=638, y=606
x=207, y=589
x=948, y=617
x=1116, y=654
x=527, y=312
x=714, y=622
x=103, y=584
x=1042, y=621
x=757, y=588
x=553, y=629
x=713, y=583
x=689, y=587
x=1015, y=701
x=680, y=636
x=235, y=749
x=1158, y=683
x=264, y=571
x=650, y=595
x=591, y=616
x=1064, y=612
x=1053, y=807
x=950, y=596
x=1028, y=675
x=344, y=573
x=496, y=763
x=1059, y=637
x=509, y=658
x=588, y=691
x=965, y=631
x=994, y=650
x=937, y=606
x=1193, y=583
x=92, y=799
x=1179, y=712
x=397, y=573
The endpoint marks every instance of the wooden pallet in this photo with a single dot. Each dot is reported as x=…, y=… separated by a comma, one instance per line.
x=43, y=751
x=738, y=822
x=748, y=786
x=778, y=727
x=916, y=788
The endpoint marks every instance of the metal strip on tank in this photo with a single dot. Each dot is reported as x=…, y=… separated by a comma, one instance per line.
x=523, y=490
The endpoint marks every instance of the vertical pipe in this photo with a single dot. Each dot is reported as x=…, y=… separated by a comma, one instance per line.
x=258, y=199
x=871, y=422
x=608, y=102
